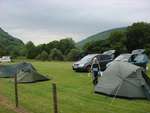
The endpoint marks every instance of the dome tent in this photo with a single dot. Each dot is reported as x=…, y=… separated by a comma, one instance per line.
x=30, y=76
x=122, y=79
x=25, y=72
x=8, y=71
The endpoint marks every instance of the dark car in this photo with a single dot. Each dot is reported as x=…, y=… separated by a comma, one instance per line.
x=112, y=53
x=85, y=63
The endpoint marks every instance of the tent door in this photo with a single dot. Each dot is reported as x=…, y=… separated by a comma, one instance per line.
x=146, y=90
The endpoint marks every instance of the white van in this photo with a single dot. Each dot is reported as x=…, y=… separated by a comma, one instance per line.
x=5, y=59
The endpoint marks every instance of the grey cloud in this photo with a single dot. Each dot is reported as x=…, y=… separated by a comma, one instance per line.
x=71, y=18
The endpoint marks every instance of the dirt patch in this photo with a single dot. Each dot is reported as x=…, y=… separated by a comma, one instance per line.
x=5, y=102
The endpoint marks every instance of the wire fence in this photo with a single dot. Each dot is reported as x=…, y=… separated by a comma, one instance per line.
x=37, y=98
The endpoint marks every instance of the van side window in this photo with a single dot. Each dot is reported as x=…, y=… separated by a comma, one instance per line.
x=105, y=57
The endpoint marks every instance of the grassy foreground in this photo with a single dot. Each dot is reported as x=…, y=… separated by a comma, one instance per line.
x=75, y=93
x=5, y=110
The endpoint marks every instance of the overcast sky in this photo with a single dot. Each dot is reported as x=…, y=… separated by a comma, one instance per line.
x=42, y=21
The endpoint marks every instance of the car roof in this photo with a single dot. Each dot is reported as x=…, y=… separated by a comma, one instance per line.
x=109, y=52
x=92, y=54
x=138, y=51
x=125, y=54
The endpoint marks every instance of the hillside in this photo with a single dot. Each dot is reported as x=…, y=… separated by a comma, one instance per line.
x=99, y=36
x=8, y=42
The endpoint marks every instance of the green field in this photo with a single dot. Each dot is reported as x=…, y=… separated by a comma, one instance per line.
x=5, y=110
x=75, y=92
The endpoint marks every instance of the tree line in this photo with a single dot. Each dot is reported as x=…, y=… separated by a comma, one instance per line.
x=64, y=49
x=135, y=36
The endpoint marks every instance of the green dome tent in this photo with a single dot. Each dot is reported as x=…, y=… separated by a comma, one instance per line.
x=8, y=71
x=25, y=72
x=122, y=79
x=29, y=76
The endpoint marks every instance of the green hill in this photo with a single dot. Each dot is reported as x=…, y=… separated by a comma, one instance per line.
x=99, y=36
x=8, y=43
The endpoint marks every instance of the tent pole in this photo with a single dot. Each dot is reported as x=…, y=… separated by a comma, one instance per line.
x=115, y=94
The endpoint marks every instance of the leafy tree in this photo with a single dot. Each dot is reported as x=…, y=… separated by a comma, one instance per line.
x=2, y=52
x=65, y=45
x=96, y=46
x=117, y=41
x=32, y=53
x=42, y=56
x=23, y=51
x=147, y=49
x=56, y=54
x=29, y=45
x=74, y=55
x=14, y=54
x=52, y=45
x=138, y=36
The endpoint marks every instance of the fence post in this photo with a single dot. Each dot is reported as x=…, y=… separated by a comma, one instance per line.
x=16, y=91
x=54, y=90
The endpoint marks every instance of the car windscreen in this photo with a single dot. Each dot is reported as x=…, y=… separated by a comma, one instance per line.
x=110, y=52
x=123, y=57
x=142, y=58
x=87, y=58
x=104, y=57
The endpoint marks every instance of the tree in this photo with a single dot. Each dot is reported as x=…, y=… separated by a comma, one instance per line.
x=74, y=55
x=117, y=41
x=32, y=53
x=96, y=46
x=29, y=45
x=56, y=54
x=31, y=50
x=2, y=52
x=42, y=56
x=52, y=45
x=65, y=45
x=14, y=54
x=138, y=36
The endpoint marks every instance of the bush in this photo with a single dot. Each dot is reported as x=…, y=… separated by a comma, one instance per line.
x=42, y=56
x=74, y=55
x=55, y=54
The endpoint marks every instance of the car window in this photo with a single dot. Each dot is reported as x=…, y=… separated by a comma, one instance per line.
x=87, y=58
x=141, y=58
x=105, y=57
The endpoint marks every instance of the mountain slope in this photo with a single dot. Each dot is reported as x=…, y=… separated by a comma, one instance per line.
x=99, y=36
x=8, y=43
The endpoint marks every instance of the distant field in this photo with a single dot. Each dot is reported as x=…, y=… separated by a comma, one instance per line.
x=75, y=93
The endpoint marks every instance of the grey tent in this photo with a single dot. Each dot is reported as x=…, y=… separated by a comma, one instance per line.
x=122, y=79
x=29, y=76
x=8, y=71
x=25, y=72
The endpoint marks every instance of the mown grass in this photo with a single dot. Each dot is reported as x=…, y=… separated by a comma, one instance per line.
x=75, y=93
x=3, y=109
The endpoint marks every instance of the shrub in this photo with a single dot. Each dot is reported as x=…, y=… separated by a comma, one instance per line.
x=55, y=54
x=74, y=55
x=42, y=56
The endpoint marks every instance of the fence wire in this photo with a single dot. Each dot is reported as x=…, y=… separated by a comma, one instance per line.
x=37, y=98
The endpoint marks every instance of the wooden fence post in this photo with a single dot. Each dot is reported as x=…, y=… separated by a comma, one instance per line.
x=54, y=90
x=16, y=90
